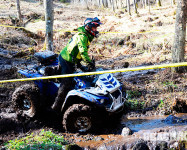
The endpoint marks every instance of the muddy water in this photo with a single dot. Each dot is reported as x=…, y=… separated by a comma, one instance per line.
x=152, y=128
x=151, y=122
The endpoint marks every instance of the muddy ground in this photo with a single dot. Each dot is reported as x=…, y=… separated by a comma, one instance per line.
x=13, y=125
x=152, y=93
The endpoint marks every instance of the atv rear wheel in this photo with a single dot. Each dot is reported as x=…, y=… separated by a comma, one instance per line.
x=79, y=118
x=26, y=99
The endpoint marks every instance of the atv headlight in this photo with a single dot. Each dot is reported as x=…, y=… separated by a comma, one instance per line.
x=102, y=101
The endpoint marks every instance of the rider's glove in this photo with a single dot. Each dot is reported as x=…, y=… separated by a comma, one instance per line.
x=91, y=66
x=97, y=34
x=79, y=64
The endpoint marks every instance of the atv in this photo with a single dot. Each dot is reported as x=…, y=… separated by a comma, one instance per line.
x=92, y=99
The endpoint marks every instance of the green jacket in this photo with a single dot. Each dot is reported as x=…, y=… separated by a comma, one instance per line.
x=77, y=47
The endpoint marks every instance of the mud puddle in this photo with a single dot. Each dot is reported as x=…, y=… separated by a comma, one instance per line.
x=152, y=122
x=151, y=130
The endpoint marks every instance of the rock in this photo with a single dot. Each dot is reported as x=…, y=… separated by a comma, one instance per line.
x=140, y=146
x=150, y=25
x=132, y=44
x=142, y=30
x=127, y=38
x=159, y=23
x=120, y=12
x=180, y=105
x=32, y=15
x=172, y=119
x=173, y=145
x=125, y=65
x=126, y=131
x=102, y=147
x=99, y=138
x=59, y=12
x=156, y=18
x=111, y=147
x=138, y=36
x=120, y=42
x=6, y=53
x=65, y=34
x=162, y=146
x=149, y=19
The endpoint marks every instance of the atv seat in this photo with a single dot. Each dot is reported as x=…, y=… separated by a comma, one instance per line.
x=52, y=70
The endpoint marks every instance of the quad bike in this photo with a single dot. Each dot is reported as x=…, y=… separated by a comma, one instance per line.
x=85, y=106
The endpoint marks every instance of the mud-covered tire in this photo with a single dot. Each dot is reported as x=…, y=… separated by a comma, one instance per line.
x=26, y=99
x=79, y=118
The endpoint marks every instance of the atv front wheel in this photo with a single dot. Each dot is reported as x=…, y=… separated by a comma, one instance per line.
x=79, y=118
x=26, y=99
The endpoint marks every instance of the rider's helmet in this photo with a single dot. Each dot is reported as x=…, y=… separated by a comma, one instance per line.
x=89, y=23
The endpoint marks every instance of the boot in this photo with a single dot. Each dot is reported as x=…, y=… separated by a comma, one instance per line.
x=62, y=92
x=64, y=88
x=57, y=105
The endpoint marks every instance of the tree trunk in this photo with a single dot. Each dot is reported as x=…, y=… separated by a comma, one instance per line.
x=116, y=4
x=49, y=17
x=180, y=34
x=159, y=3
x=112, y=3
x=145, y=3
x=128, y=5
x=121, y=4
x=105, y=3
x=172, y=2
x=19, y=11
x=149, y=6
x=86, y=3
x=142, y=3
x=135, y=6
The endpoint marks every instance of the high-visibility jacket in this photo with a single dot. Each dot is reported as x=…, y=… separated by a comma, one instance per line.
x=77, y=47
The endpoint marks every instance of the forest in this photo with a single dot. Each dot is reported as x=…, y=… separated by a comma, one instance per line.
x=134, y=34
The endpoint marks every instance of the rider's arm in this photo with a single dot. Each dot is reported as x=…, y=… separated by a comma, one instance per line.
x=82, y=46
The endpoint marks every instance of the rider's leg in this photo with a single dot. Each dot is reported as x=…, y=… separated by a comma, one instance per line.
x=66, y=83
x=64, y=88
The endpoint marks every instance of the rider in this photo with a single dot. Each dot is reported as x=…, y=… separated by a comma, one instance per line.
x=75, y=51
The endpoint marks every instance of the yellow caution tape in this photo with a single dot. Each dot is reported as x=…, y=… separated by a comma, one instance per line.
x=77, y=31
x=10, y=26
x=132, y=32
x=100, y=72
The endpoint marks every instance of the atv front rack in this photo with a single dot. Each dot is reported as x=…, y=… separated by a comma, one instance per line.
x=117, y=101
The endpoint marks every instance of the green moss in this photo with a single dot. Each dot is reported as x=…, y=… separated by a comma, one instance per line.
x=134, y=104
x=43, y=140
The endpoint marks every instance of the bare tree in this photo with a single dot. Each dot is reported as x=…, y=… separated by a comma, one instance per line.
x=120, y=4
x=158, y=3
x=19, y=11
x=172, y=2
x=129, y=8
x=135, y=6
x=49, y=17
x=149, y=6
x=180, y=34
x=143, y=3
x=112, y=3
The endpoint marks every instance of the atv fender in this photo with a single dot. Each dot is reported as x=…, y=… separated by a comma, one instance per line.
x=84, y=95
